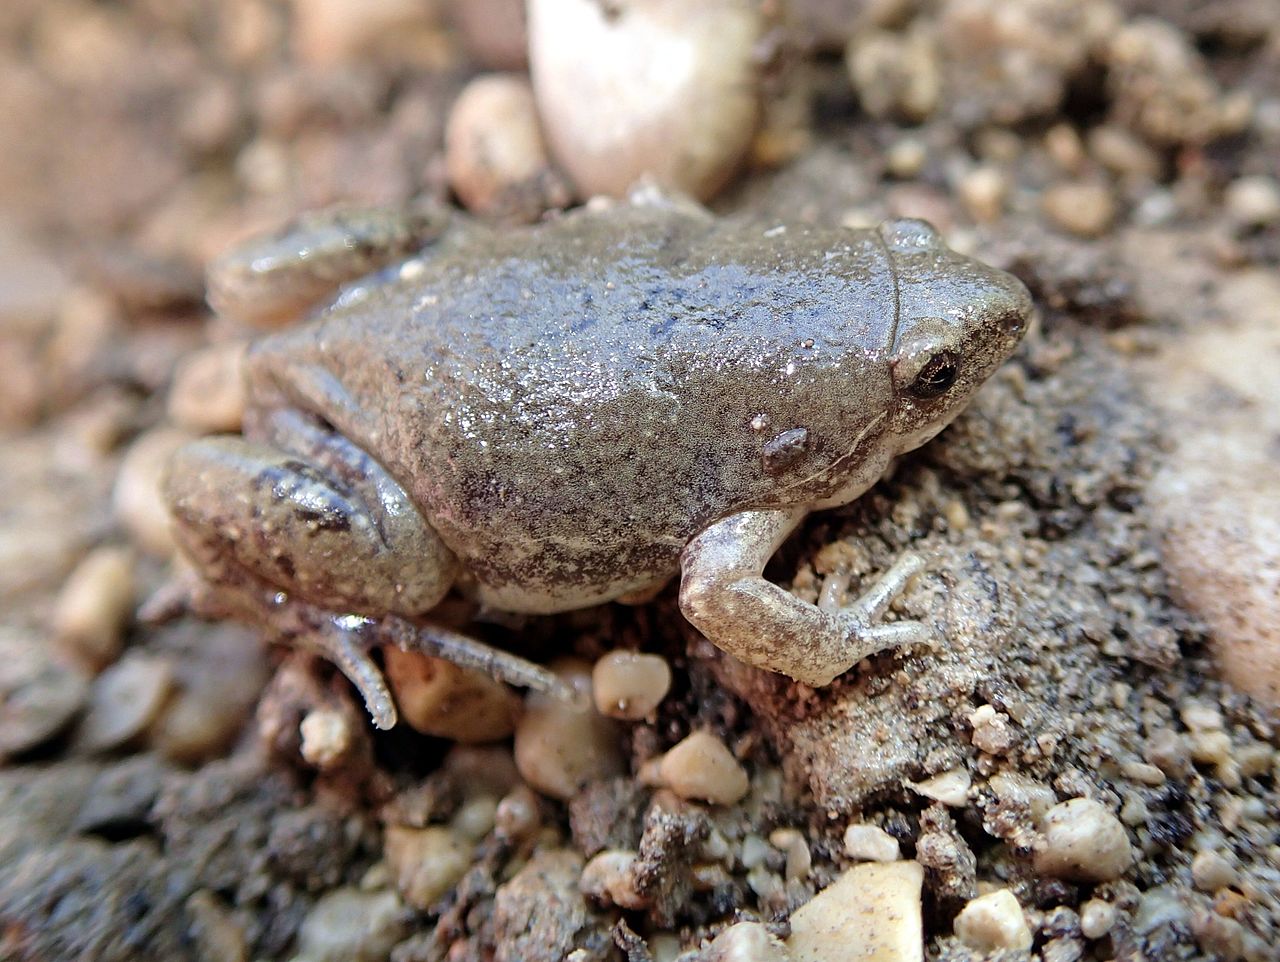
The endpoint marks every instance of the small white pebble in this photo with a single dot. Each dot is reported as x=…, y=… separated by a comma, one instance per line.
x=665, y=90
x=906, y=158
x=1143, y=773
x=993, y=922
x=347, y=925
x=1065, y=147
x=1255, y=758
x=1167, y=750
x=1253, y=200
x=792, y=842
x=1211, y=871
x=872, y=913
x=608, y=878
x=1210, y=747
x=1014, y=788
x=950, y=787
x=1134, y=811
x=517, y=815
x=667, y=947
x=475, y=817
x=1083, y=841
x=745, y=942
x=701, y=767
x=991, y=731
x=326, y=737
x=870, y=843
x=630, y=685
x=426, y=862
x=1200, y=717
x=754, y=852
x=1096, y=918
x=1082, y=208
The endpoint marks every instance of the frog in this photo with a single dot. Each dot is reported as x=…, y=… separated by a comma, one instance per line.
x=553, y=417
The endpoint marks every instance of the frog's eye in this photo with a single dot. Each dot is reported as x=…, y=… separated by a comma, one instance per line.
x=936, y=377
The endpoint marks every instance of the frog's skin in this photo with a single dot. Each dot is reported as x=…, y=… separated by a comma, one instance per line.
x=557, y=417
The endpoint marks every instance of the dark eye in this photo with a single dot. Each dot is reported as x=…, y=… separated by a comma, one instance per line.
x=936, y=376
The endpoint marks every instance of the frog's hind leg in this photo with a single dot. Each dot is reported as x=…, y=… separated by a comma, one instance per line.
x=345, y=640
x=276, y=278
x=322, y=522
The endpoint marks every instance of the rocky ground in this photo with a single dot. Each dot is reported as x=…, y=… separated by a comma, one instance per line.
x=1084, y=767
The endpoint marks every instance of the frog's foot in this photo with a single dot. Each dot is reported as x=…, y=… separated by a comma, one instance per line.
x=724, y=593
x=277, y=278
x=862, y=615
x=345, y=640
x=467, y=652
x=339, y=640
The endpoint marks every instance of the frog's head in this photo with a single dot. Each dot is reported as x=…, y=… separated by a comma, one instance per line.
x=958, y=320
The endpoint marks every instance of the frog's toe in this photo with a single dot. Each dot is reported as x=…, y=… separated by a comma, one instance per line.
x=897, y=634
x=875, y=601
x=349, y=654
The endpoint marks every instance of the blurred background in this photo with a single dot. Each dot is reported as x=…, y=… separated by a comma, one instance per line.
x=1121, y=156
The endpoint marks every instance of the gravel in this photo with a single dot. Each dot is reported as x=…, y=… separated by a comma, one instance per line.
x=1094, y=733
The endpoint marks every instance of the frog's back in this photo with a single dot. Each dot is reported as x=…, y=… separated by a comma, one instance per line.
x=571, y=404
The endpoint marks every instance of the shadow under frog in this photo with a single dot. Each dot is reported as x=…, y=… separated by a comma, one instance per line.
x=555, y=417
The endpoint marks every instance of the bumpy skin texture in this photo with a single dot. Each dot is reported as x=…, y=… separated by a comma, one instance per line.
x=569, y=408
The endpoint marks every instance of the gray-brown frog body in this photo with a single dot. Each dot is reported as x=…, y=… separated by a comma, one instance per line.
x=552, y=418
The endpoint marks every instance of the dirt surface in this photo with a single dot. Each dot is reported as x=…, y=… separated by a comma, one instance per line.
x=1102, y=524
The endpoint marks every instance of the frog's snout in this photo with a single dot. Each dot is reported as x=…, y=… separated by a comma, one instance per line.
x=1013, y=317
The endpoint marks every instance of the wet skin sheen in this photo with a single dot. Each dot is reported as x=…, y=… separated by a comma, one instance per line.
x=556, y=417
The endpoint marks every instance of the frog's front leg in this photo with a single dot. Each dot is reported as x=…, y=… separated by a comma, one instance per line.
x=723, y=592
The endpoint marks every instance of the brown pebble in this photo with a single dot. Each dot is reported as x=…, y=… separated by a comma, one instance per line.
x=124, y=700
x=218, y=681
x=95, y=604
x=494, y=31
x=208, y=392
x=495, y=155
x=39, y=696
x=137, y=500
x=427, y=862
x=437, y=697
x=559, y=747
x=346, y=925
x=1083, y=208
